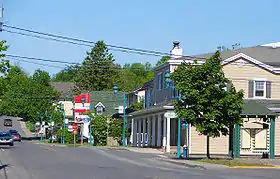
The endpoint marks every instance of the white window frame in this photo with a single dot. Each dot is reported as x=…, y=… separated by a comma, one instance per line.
x=259, y=80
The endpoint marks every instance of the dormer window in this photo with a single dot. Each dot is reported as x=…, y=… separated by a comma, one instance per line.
x=99, y=108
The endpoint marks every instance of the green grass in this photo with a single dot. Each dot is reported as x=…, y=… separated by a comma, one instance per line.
x=234, y=162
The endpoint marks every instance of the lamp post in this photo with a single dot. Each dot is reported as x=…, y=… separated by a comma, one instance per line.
x=61, y=109
x=41, y=119
x=90, y=128
x=169, y=85
x=115, y=88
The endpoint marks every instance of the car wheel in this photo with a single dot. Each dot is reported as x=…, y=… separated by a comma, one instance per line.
x=11, y=144
x=19, y=140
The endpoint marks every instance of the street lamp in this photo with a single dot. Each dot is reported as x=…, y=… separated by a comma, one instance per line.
x=115, y=88
x=168, y=82
x=41, y=118
x=90, y=128
x=61, y=108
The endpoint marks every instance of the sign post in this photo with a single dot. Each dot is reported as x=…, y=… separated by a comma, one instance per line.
x=75, y=128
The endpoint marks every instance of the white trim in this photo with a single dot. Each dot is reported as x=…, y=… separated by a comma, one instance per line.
x=252, y=60
x=98, y=104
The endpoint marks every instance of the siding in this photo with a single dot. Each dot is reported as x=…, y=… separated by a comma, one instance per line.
x=277, y=136
x=218, y=145
x=240, y=76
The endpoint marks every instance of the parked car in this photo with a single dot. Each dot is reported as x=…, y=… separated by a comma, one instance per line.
x=8, y=122
x=15, y=135
x=6, y=139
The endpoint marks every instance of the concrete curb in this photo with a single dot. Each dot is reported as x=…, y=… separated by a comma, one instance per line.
x=180, y=163
x=256, y=167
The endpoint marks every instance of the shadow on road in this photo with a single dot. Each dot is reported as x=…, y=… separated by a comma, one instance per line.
x=4, y=166
x=30, y=138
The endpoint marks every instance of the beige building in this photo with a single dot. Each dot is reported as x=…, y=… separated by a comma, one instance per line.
x=256, y=70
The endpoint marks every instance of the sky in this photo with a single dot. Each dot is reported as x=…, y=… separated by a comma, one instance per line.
x=199, y=25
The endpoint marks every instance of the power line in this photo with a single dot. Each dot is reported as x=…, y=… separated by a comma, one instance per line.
x=132, y=50
x=75, y=43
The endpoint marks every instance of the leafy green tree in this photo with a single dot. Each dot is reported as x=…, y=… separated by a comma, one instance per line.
x=133, y=75
x=162, y=60
x=136, y=106
x=205, y=103
x=97, y=70
x=66, y=75
x=26, y=96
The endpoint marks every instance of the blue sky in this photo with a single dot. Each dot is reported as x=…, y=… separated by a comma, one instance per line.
x=200, y=26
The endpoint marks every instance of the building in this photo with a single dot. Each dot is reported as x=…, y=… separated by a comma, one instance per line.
x=256, y=70
x=66, y=97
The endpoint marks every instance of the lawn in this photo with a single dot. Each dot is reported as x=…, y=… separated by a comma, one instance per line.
x=234, y=162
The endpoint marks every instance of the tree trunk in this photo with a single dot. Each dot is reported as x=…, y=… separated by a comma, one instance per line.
x=231, y=141
x=208, y=147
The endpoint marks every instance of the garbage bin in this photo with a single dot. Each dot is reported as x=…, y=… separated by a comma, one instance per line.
x=265, y=155
x=185, y=151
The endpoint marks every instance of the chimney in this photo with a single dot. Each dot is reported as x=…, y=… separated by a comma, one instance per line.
x=176, y=51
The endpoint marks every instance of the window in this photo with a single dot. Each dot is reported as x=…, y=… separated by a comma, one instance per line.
x=160, y=81
x=260, y=88
x=99, y=110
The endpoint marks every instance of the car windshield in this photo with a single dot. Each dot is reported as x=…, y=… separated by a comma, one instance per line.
x=14, y=133
x=4, y=135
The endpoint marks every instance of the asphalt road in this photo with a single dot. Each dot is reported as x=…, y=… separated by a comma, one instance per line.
x=16, y=125
x=28, y=160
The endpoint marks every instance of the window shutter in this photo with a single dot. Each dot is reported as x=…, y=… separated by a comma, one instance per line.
x=268, y=89
x=251, y=89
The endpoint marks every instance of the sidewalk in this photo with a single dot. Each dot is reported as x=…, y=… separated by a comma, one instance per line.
x=189, y=163
x=25, y=129
x=244, y=162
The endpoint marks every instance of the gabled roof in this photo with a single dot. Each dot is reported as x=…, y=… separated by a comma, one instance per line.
x=143, y=87
x=99, y=104
x=108, y=99
x=65, y=89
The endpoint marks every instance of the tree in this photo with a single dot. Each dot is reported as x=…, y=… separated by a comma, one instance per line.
x=66, y=75
x=162, y=60
x=133, y=75
x=205, y=103
x=97, y=70
x=26, y=96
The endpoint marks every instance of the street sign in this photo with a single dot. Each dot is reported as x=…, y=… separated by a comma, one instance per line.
x=75, y=132
x=75, y=127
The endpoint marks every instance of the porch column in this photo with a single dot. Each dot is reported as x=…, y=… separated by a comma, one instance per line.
x=139, y=132
x=168, y=134
x=236, y=141
x=149, y=131
x=272, y=138
x=164, y=132
x=133, y=132
x=159, y=131
x=144, y=121
x=153, y=131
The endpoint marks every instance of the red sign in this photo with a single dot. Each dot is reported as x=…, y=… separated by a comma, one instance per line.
x=86, y=96
x=75, y=132
x=75, y=127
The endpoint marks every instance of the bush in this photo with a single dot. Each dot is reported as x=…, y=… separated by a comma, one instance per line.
x=69, y=136
x=100, y=128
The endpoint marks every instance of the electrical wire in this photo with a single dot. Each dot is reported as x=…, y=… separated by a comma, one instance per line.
x=75, y=43
x=158, y=53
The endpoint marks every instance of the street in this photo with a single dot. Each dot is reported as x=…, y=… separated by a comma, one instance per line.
x=34, y=160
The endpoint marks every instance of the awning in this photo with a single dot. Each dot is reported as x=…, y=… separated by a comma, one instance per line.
x=252, y=108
